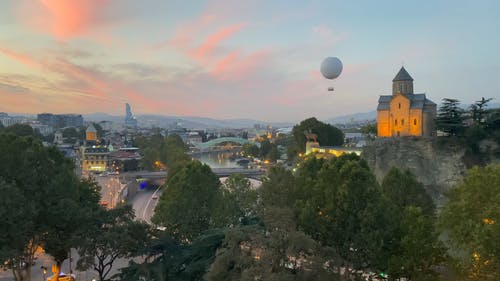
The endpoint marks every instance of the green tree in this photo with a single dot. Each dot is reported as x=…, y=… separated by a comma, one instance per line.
x=173, y=150
x=192, y=203
x=250, y=149
x=478, y=111
x=167, y=259
x=21, y=130
x=60, y=205
x=240, y=194
x=158, y=152
x=450, y=117
x=403, y=190
x=116, y=236
x=265, y=148
x=71, y=135
x=70, y=215
x=420, y=250
x=273, y=251
x=471, y=220
x=492, y=124
x=369, y=131
x=340, y=205
x=278, y=188
x=328, y=135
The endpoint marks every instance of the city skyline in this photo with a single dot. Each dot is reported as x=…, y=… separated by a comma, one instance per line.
x=251, y=59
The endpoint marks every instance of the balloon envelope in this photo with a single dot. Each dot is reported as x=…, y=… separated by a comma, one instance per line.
x=331, y=68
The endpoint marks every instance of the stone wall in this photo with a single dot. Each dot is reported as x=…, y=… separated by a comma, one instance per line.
x=437, y=166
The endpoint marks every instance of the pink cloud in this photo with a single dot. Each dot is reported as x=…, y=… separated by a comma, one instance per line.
x=223, y=65
x=22, y=58
x=184, y=34
x=238, y=67
x=213, y=40
x=84, y=83
x=61, y=18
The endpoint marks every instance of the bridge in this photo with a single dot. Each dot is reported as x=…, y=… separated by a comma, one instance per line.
x=220, y=172
x=216, y=142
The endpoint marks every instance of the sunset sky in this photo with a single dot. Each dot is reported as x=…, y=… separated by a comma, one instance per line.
x=240, y=59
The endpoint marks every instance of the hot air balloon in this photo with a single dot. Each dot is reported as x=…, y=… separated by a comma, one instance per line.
x=331, y=68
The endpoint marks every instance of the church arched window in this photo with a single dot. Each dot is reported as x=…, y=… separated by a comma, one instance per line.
x=415, y=121
x=399, y=105
x=402, y=122
x=395, y=122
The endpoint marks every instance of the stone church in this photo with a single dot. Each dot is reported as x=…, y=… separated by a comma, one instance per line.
x=404, y=113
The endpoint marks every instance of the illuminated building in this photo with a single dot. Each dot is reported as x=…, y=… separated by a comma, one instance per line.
x=404, y=113
x=91, y=134
x=94, y=159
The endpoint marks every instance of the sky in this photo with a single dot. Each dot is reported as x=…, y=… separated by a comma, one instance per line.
x=241, y=59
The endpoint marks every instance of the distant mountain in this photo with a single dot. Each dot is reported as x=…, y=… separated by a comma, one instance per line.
x=356, y=117
x=99, y=116
x=188, y=122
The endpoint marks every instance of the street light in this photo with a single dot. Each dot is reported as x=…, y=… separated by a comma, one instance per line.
x=44, y=271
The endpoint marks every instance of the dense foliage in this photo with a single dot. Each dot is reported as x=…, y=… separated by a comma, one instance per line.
x=471, y=221
x=328, y=135
x=115, y=235
x=61, y=206
x=192, y=203
x=450, y=118
x=159, y=152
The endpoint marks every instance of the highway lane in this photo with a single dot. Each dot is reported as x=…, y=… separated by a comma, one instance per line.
x=144, y=203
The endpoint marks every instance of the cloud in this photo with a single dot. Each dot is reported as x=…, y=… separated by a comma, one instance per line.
x=61, y=18
x=140, y=70
x=19, y=57
x=9, y=88
x=206, y=49
x=328, y=37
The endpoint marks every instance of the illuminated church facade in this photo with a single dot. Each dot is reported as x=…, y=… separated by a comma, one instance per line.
x=404, y=113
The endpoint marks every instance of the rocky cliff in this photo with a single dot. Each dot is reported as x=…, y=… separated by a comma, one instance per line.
x=437, y=165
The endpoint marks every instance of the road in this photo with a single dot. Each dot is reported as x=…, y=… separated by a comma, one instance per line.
x=111, y=186
x=144, y=203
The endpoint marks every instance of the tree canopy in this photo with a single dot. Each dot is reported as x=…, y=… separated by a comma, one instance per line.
x=450, y=117
x=403, y=190
x=116, y=235
x=60, y=208
x=471, y=221
x=159, y=152
x=328, y=135
x=192, y=203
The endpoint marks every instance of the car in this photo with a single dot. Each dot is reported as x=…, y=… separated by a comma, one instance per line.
x=154, y=197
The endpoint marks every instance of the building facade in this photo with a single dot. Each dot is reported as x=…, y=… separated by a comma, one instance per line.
x=405, y=113
x=94, y=159
x=60, y=120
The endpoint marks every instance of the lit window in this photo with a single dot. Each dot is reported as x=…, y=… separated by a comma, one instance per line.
x=415, y=121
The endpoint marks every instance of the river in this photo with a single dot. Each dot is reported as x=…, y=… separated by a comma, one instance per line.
x=218, y=160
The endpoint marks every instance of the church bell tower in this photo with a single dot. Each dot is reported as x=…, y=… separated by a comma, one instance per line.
x=402, y=83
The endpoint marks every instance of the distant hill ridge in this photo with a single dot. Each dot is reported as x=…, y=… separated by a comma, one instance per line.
x=194, y=122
